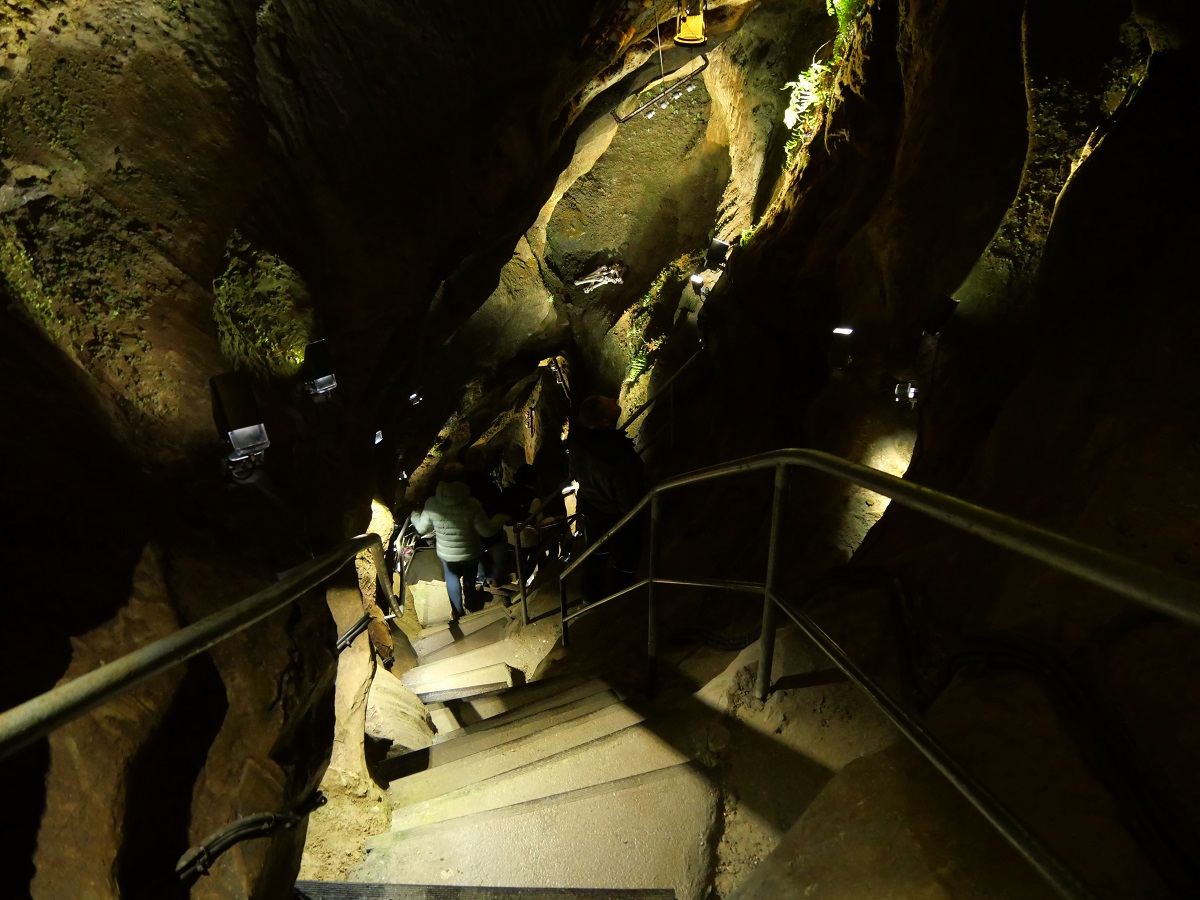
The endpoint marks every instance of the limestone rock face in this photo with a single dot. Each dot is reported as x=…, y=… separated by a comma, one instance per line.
x=83, y=831
x=396, y=714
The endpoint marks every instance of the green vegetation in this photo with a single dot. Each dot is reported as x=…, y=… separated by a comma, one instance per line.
x=642, y=338
x=812, y=87
x=70, y=268
x=810, y=96
x=262, y=310
x=847, y=12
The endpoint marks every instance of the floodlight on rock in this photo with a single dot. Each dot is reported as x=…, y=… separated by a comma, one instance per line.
x=939, y=314
x=317, y=370
x=839, y=347
x=239, y=422
x=717, y=251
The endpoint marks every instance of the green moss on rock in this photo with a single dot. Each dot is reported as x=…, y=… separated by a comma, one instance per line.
x=263, y=311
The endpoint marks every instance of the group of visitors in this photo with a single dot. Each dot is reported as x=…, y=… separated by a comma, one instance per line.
x=468, y=512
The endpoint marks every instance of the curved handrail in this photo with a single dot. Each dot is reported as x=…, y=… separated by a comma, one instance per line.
x=37, y=717
x=1159, y=590
x=1166, y=593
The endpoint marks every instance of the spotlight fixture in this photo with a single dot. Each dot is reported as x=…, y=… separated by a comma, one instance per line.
x=939, y=314
x=317, y=370
x=379, y=437
x=697, y=280
x=691, y=87
x=839, y=348
x=650, y=115
x=414, y=398
x=663, y=105
x=906, y=392
x=570, y=488
x=717, y=251
x=239, y=422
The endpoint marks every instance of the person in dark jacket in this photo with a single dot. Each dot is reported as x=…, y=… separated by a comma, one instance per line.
x=460, y=525
x=611, y=482
x=493, y=564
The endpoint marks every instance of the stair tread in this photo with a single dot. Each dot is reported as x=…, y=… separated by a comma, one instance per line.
x=543, y=700
x=526, y=728
x=436, y=637
x=491, y=633
x=650, y=829
x=477, y=768
x=477, y=658
x=497, y=677
x=631, y=751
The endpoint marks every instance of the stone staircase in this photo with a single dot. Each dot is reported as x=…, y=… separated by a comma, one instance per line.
x=532, y=782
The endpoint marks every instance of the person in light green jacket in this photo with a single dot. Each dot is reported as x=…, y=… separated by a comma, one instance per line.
x=459, y=525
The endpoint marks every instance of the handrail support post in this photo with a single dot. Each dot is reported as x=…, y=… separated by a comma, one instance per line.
x=652, y=604
x=521, y=574
x=766, y=640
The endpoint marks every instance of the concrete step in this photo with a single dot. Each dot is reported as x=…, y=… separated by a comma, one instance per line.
x=477, y=768
x=345, y=890
x=631, y=751
x=650, y=829
x=479, y=658
x=443, y=718
x=489, y=634
x=488, y=679
x=526, y=701
x=438, y=636
x=535, y=722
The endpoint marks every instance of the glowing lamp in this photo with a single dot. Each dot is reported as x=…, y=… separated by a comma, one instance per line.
x=717, y=251
x=239, y=422
x=943, y=308
x=317, y=370
x=839, y=347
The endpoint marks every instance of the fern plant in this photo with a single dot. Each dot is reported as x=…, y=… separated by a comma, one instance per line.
x=810, y=93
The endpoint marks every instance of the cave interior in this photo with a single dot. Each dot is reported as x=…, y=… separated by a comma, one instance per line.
x=961, y=249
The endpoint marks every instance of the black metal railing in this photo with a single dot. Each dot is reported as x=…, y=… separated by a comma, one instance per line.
x=35, y=718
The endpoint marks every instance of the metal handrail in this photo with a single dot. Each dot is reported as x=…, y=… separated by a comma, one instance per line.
x=1053, y=869
x=35, y=718
x=666, y=385
x=1161, y=591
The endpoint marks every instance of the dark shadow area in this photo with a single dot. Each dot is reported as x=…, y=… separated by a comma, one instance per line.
x=75, y=526
x=159, y=792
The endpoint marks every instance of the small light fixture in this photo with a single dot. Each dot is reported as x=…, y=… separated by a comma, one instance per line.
x=839, y=348
x=414, y=398
x=239, y=422
x=691, y=87
x=677, y=95
x=906, y=392
x=379, y=437
x=717, y=251
x=939, y=314
x=650, y=115
x=570, y=488
x=317, y=370
x=697, y=280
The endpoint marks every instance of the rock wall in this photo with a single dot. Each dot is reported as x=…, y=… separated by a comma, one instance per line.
x=1056, y=394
